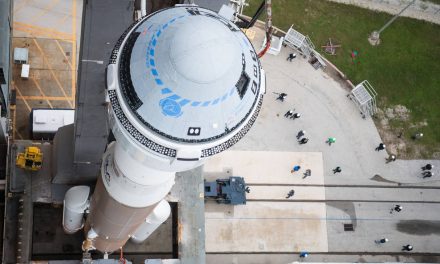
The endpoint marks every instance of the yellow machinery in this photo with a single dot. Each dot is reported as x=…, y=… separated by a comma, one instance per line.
x=31, y=159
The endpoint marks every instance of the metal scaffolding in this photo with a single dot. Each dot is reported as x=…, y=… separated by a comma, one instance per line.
x=295, y=39
x=364, y=96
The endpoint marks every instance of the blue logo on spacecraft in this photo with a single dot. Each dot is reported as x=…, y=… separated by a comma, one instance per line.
x=170, y=107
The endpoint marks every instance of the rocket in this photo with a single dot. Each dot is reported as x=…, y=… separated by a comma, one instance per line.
x=183, y=84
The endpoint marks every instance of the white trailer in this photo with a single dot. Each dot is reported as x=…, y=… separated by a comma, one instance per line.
x=46, y=122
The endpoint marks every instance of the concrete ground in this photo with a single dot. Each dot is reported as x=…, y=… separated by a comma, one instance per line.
x=361, y=195
x=246, y=228
x=50, y=29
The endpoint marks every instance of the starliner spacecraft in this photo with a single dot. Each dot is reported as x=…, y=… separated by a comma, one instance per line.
x=183, y=84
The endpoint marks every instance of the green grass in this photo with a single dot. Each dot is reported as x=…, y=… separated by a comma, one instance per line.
x=432, y=1
x=404, y=68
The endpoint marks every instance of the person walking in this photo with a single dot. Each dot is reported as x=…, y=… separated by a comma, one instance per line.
x=308, y=173
x=381, y=241
x=427, y=167
x=295, y=168
x=303, y=254
x=303, y=141
x=330, y=141
x=291, y=56
x=407, y=248
x=281, y=97
x=290, y=194
x=337, y=170
x=288, y=113
x=300, y=134
x=295, y=116
x=396, y=208
x=391, y=158
x=427, y=174
x=417, y=136
x=380, y=147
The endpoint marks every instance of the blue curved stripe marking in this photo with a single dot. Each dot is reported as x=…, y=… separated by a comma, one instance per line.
x=174, y=97
x=184, y=102
x=167, y=105
x=166, y=91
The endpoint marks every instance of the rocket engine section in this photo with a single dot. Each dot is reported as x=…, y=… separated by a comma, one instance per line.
x=184, y=84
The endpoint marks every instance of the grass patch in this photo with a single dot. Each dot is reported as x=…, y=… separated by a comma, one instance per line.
x=404, y=68
x=433, y=1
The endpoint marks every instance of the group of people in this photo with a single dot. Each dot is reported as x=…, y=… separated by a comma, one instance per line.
x=426, y=171
x=397, y=208
x=293, y=115
x=302, y=139
x=407, y=247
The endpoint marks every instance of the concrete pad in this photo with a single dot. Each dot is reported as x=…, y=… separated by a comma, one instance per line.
x=46, y=19
x=417, y=224
x=51, y=83
x=398, y=195
x=278, y=193
x=265, y=227
x=269, y=167
x=332, y=258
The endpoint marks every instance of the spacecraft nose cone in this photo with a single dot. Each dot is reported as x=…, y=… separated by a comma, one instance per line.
x=186, y=76
x=204, y=52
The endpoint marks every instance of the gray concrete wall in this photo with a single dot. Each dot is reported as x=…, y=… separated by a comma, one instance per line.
x=5, y=44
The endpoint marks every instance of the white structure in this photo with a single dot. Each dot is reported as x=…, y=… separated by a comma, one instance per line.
x=25, y=71
x=152, y=222
x=238, y=6
x=183, y=84
x=364, y=96
x=75, y=203
x=46, y=122
x=21, y=55
x=275, y=45
x=295, y=39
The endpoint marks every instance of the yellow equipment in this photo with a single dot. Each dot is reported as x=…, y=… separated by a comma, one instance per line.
x=31, y=159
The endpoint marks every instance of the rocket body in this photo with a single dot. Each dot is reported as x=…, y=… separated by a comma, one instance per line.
x=184, y=84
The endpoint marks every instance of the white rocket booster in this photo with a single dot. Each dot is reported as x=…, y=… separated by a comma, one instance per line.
x=184, y=84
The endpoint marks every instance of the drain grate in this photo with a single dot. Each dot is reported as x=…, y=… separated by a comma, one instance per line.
x=348, y=227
